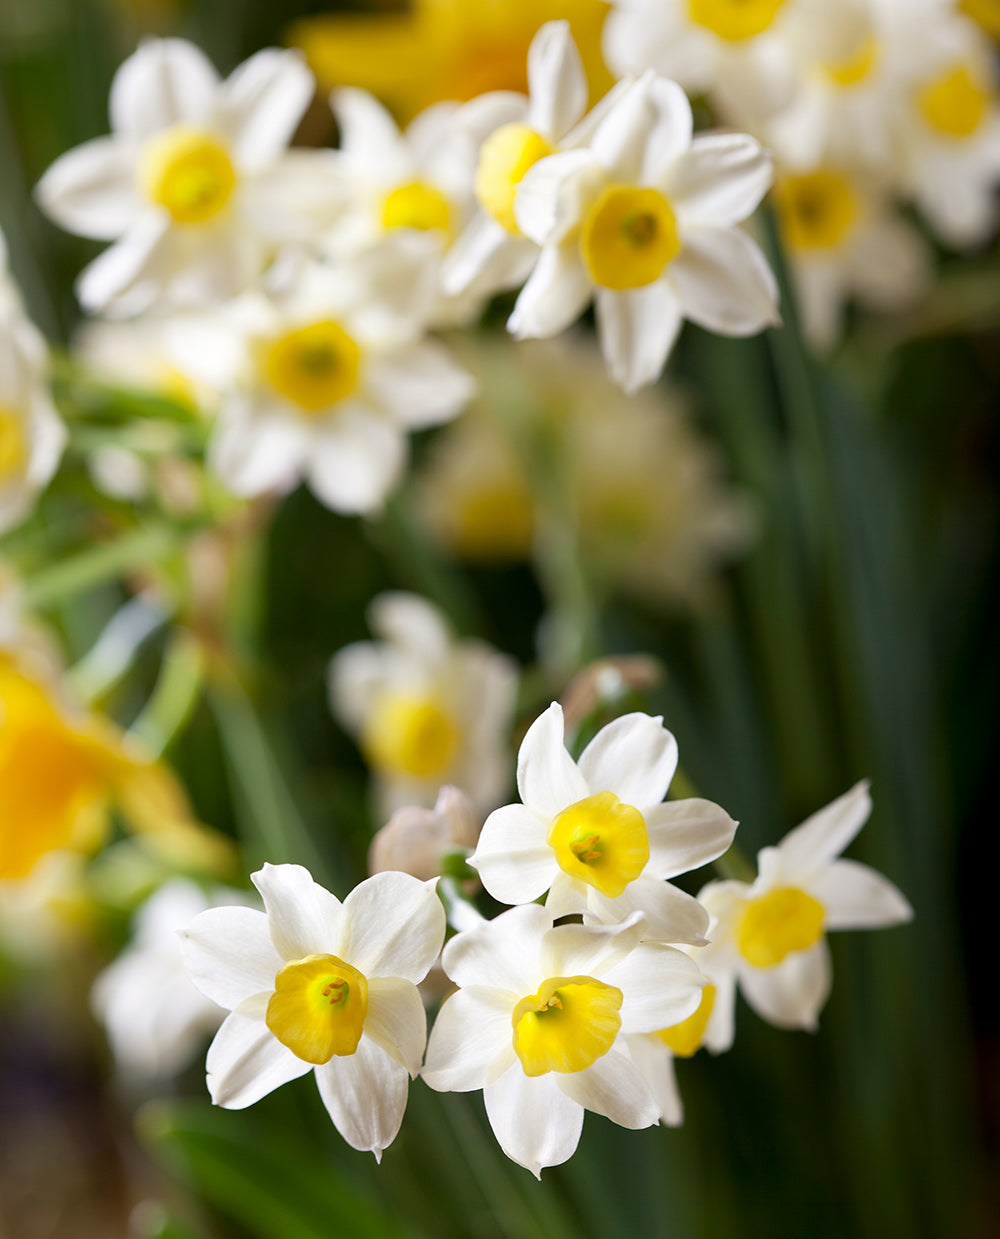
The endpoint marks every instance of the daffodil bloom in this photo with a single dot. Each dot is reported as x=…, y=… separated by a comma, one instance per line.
x=427, y=710
x=594, y=833
x=540, y=1024
x=62, y=772
x=323, y=375
x=315, y=984
x=194, y=185
x=444, y=49
x=731, y=50
x=770, y=936
x=155, y=1017
x=844, y=238
x=645, y=219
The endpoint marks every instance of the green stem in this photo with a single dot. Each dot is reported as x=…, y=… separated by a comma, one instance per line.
x=175, y=696
x=99, y=564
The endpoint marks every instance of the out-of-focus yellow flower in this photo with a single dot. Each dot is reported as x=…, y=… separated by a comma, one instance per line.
x=985, y=12
x=62, y=773
x=445, y=49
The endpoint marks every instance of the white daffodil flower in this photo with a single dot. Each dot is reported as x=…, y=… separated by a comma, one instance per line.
x=315, y=984
x=32, y=435
x=732, y=50
x=844, y=238
x=542, y=1021
x=427, y=710
x=646, y=218
x=594, y=833
x=155, y=1018
x=770, y=937
x=194, y=184
x=323, y=376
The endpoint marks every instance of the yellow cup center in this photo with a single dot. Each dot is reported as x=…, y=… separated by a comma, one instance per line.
x=985, y=12
x=628, y=237
x=318, y=1007
x=410, y=736
x=567, y=1026
x=684, y=1039
x=855, y=68
x=504, y=159
x=314, y=366
x=601, y=841
x=187, y=171
x=778, y=923
x=954, y=104
x=13, y=447
x=734, y=20
x=495, y=522
x=818, y=210
x=417, y=205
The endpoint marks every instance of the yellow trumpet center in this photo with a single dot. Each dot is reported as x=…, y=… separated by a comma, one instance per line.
x=628, y=237
x=13, y=447
x=817, y=210
x=601, y=841
x=567, y=1026
x=416, y=205
x=778, y=923
x=985, y=12
x=855, y=68
x=684, y=1039
x=495, y=522
x=318, y=1007
x=410, y=735
x=314, y=366
x=187, y=171
x=954, y=104
x=734, y=20
x=504, y=159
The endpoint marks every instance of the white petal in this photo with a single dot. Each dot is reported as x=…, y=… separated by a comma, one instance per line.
x=820, y=293
x=485, y=259
x=412, y=623
x=588, y=950
x=512, y=858
x=721, y=1027
x=420, y=384
x=246, y=1062
x=724, y=283
x=670, y=135
x=395, y=926
x=671, y=914
x=661, y=986
x=117, y=272
x=166, y=82
x=303, y=917
x=253, y=451
x=556, y=81
x=229, y=955
x=396, y=1020
x=534, y=1121
x=719, y=181
x=792, y=993
x=890, y=266
x=548, y=779
x=369, y=137
x=827, y=832
x=858, y=897
x=637, y=331
x=91, y=190
x=621, y=139
x=553, y=194
x=686, y=834
x=500, y=954
x=615, y=1088
x=365, y=1095
x=472, y=1031
x=356, y=461
x=656, y=1064
x=635, y=757
x=556, y=294
x=261, y=103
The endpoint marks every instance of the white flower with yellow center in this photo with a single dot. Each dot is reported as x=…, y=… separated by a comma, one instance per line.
x=322, y=378
x=645, y=220
x=427, y=710
x=732, y=50
x=844, y=238
x=770, y=937
x=594, y=833
x=156, y=1019
x=541, y=1024
x=949, y=138
x=194, y=184
x=315, y=984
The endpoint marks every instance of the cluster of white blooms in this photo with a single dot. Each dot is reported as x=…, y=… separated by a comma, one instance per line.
x=578, y=1003
x=865, y=103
